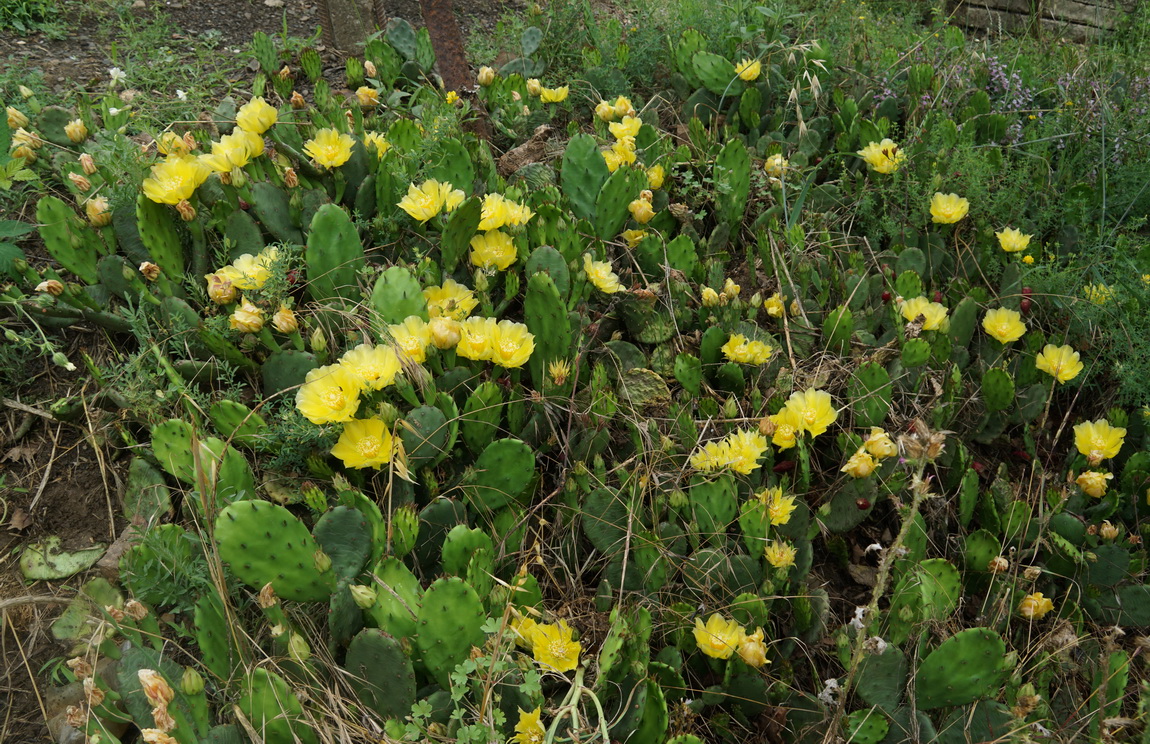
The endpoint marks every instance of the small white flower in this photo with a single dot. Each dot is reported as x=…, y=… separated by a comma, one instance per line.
x=117, y=75
x=181, y=94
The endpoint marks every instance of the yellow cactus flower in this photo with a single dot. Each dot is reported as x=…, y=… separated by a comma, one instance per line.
x=629, y=126
x=779, y=506
x=934, y=313
x=641, y=211
x=329, y=148
x=528, y=729
x=493, y=249
x=1099, y=294
x=749, y=70
x=368, y=96
x=719, y=638
x=449, y=300
x=475, y=337
x=775, y=306
x=553, y=647
x=376, y=142
x=1098, y=440
x=175, y=179
x=788, y=427
x=656, y=175
x=1004, y=324
x=17, y=119
x=1034, y=606
x=76, y=131
x=329, y=395
x=1012, y=240
x=860, y=464
x=99, y=211
x=377, y=366
x=600, y=274
x=1094, y=483
x=511, y=344
x=634, y=237
x=752, y=650
x=813, y=409
x=739, y=349
x=486, y=76
x=886, y=157
x=256, y=116
x=946, y=209
x=780, y=554
x=553, y=95
x=364, y=443
x=1060, y=362
x=411, y=338
x=776, y=165
x=879, y=444
x=429, y=199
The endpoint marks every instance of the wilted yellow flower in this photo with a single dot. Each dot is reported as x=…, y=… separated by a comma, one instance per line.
x=411, y=337
x=879, y=444
x=330, y=148
x=739, y=349
x=752, y=650
x=1034, y=606
x=886, y=157
x=368, y=96
x=934, y=313
x=1012, y=240
x=788, y=427
x=256, y=116
x=534, y=87
x=719, y=638
x=284, y=320
x=779, y=506
x=1094, y=483
x=17, y=119
x=528, y=729
x=329, y=395
x=247, y=318
x=376, y=366
x=946, y=209
x=493, y=249
x=175, y=179
x=449, y=300
x=656, y=175
x=748, y=69
x=376, y=142
x=1060, y=362
x=553, y=646
x=76, y=131
x=813, y=410
x=634, y=237
x=364, y=443
x=1098, y=440
x=860, y=464
x=429, y=199
x=486, y=76
x=776, y=165
x=629, y=126
x=475, y=337
x=99, y=211
x=553, y=95
x=600, y=274
x=775, y=306
x=511, y=344
x=780, y=554
x=1004, y=324
x=1099, y=294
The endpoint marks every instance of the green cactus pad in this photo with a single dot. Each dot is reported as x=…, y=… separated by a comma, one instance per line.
x=381, y=674
x=264, y=542
x=451, y=619
x=966, y=667
x=502, y=473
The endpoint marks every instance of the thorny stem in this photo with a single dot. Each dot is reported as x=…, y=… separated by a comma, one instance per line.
x=882, y=578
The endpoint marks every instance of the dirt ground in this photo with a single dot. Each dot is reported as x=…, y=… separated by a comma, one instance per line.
x=65, y=479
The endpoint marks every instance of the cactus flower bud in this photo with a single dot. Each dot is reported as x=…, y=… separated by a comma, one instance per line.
x=284, y=320
x=297, y=100
x=445, y=332
x=322, y=561
x=51, y=286
x=291, y=179
x=298, y=648
x=150, y=271
x=247, y=318
x=17, y=118
x=186, y=210
x=79, y=181
x=364, y=596
x=191, y=683
x=87, y=164
x=98, y=211
x=76, y=130
x=369, y=68
x=486, y=76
